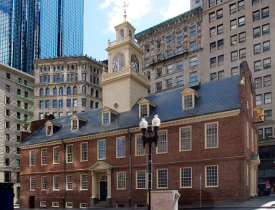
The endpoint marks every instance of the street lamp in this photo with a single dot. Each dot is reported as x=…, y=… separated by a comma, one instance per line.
x=154, y=128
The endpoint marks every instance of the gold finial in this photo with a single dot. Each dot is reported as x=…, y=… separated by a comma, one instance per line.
x=243, y=81
x=260, y=115
x=125, y=5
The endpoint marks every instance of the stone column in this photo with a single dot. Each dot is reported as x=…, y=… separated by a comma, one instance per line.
x=94, y=198
x=252, y=180
x=109, y=188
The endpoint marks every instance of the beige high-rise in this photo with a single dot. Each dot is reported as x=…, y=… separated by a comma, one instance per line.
x=16, y=107
x=67, y=85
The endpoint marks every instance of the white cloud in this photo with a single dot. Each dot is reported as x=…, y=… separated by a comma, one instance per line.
x=135, y=11
x=175, y=8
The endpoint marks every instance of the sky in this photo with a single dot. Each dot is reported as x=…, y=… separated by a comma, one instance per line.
x=100, y=17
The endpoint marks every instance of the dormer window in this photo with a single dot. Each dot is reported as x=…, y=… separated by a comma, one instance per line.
x=108, y=115
x=189, y=98
x=188, y=101
x=49, y=130
x=51, y=127
x=76, y=122
x=145, y=107
x=74, y=125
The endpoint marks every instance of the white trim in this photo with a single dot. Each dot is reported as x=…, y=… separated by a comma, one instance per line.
x=117, y=147
x=55, y=202
x=69, y=206
x=58, y=154
x=117, y=180
x=67, y=182
x=157, y=148
x=98, y=149
x=81, y=181
x=205, y=176
x=83, y=207
x=43, y=164
x=137, y=179
x=180, y=150
x=54, y=183
x=30, y=157
x=147, y=110
x=41, y=205
x=47, y=128
x=181, y=177
x=136, y=145
x=67, y=153
x=32, y=189
x=81, y=160
x=158, y=178
x=205, y=135
x=77, y=124
x=42, y=183
x=109, y=117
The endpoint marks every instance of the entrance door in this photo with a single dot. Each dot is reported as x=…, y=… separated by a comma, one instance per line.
x=31, y=202
x=103, y=190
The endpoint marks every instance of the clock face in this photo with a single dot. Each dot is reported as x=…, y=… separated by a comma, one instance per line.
x=252, y=84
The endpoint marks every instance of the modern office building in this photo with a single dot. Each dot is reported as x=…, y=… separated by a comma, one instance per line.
x=173, y=51
x=234, y=31
x=39, y=28
x=16, y=107
x=67, y=85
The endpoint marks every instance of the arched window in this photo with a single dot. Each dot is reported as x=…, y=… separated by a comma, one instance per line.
x=55, y=91
x=134, y=62
x=83, y=89
x=118, y=62
x=92, y=92
x=61, y=91
x=121, y=33
x=96, y=93
x=41, y=92
x=47, y=92
x=130, y=34
x=75, y=90
x=69, y=91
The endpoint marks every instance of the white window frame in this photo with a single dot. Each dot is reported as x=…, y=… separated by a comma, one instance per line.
x=217, y=176
x=32, y=187
x=54, y=161
x=109, y=117
x=42, y=203
x=69, y=206
x=51, y=131
x=205, y=134
x=81, y=151
x=68, y=153
x=123, y=181
x=180, y=139
x=83, y=207
x=98, y=152
x=43, y=156
x=147, y=107
x=82, y=182
x=123, y=148
x=67, y=188
x=72, y=124
x=159, y=142
x=181, y=184
x=137, y=180
x=53, y=204
x=162, y=169
x=193, y=99
x=44, y=183
x=139, y=150
x=32, y=158
x=54, y=181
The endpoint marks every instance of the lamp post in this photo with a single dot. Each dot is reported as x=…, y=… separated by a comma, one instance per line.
x=154, y=128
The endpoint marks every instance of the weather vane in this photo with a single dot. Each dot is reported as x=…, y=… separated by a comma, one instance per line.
x=125, y=5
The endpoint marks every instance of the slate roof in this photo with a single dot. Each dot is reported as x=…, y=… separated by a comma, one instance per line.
x=216, y=96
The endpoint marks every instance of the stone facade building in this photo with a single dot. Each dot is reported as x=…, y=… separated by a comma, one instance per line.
x=16, y=106
x=66, y=85
x=173, y=52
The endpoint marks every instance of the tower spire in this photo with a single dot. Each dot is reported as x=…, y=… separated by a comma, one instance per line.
x=125, y=5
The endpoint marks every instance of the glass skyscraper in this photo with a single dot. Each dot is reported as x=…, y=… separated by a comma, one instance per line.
x=39, y=28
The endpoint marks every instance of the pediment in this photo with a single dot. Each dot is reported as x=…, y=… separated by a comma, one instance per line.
x=49, y=123
x=188, y=91
x=255, y=159
x=74, y=117
x=101, y=165
x=106, y=109
x=146, y=101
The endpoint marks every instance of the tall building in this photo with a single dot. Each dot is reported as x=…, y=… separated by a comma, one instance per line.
x=39, y=28
x=173, y=52
x=195, y=3
x=16, y=106
x=234, y=31
x=66, y=85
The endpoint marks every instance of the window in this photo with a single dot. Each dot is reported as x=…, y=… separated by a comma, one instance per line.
x=212, y=62
x=180, y=80
x=212, y=16
x=268, y=115
x=267, y=98
x=75, y=90
x=84, y=151
x=266, y=29
x=256, y=15
x=169, y=69
x=241, y=21
x=7, y=137
x=213, y=47
x=193, y=31
x=44, y=156
x=101, y=149
x=83, y=205
x=267, y=63
x=74, y=102
x=60, y=103
x=32, y=158
x=169, y=83
x=211, y=176
x=232, y=8
x=179, y=67
x=83, y=89
x=32, y=183
x=256, y=32
x=260, y=137
x=8, y=113
x=220, y=29
x=267, y=80
x=241, y=5
x=7, y=100
x=84, y=182
x=7, y=149
x=8, y=76
x=242, y=37
x=221, y=74
x=162, y=181
x=257, y=66
x=83, y=77
x=159, y=86
x=7, y=124
x=193, y=46
x=234, y=56
x=139, y=145
x=56, y=155
x=54, y=103
x=212, y=31
x=55, y=182
x=255, y=2
x=162, y=142
x=211, y=135
x=257, y=49
x=7, y=88
x=55, y=204
x=185, y=139
x=258, y=100
x=265, y=12
x=233, y=24
x=233, y=40
x=69, y=151
x=69, y=205
x=68, y=102
x=266, y=46
x=83, y=102
x=179, y=51
x=140, y=180
x=7, y=162
x=169, y=54
x=193, y=61
x=186, y=177
x=219, y=14
x=220, y=60
x=43, y=183
x=143, y=110
x=121, y=180
x=69, y=182
x=179, y=36
x=220, y=44
x=258, y=82
x=268, y=133
x=169, y=40
x=242, y=53
x=120, y=145
x=211, y=3
x=193, y=77
x=105, y=118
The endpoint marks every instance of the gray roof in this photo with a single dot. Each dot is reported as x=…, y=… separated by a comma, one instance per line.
x=215, y=96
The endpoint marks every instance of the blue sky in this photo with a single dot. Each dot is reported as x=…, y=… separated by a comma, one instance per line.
x=100, y=17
